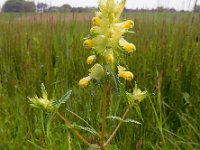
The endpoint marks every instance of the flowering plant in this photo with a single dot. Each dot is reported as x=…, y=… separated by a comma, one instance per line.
x=108, y=47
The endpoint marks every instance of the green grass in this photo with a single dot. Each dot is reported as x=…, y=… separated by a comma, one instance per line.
x=50, y=51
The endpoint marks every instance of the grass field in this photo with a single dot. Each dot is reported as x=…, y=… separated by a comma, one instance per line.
x=48, y=49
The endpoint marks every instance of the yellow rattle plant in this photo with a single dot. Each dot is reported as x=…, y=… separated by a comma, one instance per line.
x=108, y=47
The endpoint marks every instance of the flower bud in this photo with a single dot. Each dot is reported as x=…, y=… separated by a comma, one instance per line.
x=109, y=56
x=88, y=43
x=96, y=21
x=122, y=73
x=84, y=82
x=91, y=59
x=128, y=24
x=129, y=47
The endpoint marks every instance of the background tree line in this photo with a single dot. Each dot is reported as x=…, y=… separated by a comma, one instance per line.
x=18, y=6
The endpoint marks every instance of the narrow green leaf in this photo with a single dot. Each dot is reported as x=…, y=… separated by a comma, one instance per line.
x=84, y=128
x=122, y=120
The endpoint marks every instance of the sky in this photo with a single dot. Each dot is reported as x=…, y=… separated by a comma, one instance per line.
x=177, y=4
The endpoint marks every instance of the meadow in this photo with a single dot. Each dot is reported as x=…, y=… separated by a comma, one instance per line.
x=48, y=48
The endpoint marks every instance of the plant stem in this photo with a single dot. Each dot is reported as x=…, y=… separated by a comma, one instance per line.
x=104, y=105
x=76, y=132
x=118, y=126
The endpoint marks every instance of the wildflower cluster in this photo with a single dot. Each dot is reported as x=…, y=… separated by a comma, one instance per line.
x=43, y=103
x=107, y=43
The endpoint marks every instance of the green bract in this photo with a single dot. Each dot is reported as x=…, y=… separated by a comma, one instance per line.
x=97, y=72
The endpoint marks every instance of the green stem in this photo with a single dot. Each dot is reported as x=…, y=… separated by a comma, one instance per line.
x=118, y=126
x=43, y=128
x=104, y=105
x=76, y=132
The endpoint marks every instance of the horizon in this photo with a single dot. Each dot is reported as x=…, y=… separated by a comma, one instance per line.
x=131, y=4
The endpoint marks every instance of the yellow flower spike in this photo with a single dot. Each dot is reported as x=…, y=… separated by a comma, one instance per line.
x=122, y=73
x=96, y=21
x=128, y=24
x=128, y=47
x=84, y=82
x=88, y=43
x=91, y=59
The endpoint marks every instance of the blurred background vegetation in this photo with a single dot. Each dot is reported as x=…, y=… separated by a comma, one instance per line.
x=47, y=48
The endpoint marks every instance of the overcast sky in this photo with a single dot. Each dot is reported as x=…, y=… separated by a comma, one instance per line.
x=177, y=4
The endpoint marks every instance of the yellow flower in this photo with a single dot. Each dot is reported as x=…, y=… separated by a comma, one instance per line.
x=122, y=73
x=128, y=47
x=97, y=72
x=88, y=43
x=91, y=59
x=128, y=24
x=96, y=21
x=84, y=82
x=109, y=56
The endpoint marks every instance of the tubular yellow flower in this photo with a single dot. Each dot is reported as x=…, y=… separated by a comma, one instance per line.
x=128, y=47
x=109, y=56
x=84, y=82
x=122, y=73
x=96, y=21
x=128, y=24
x=127, y=75
x=91, y=59
x=88, y=43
